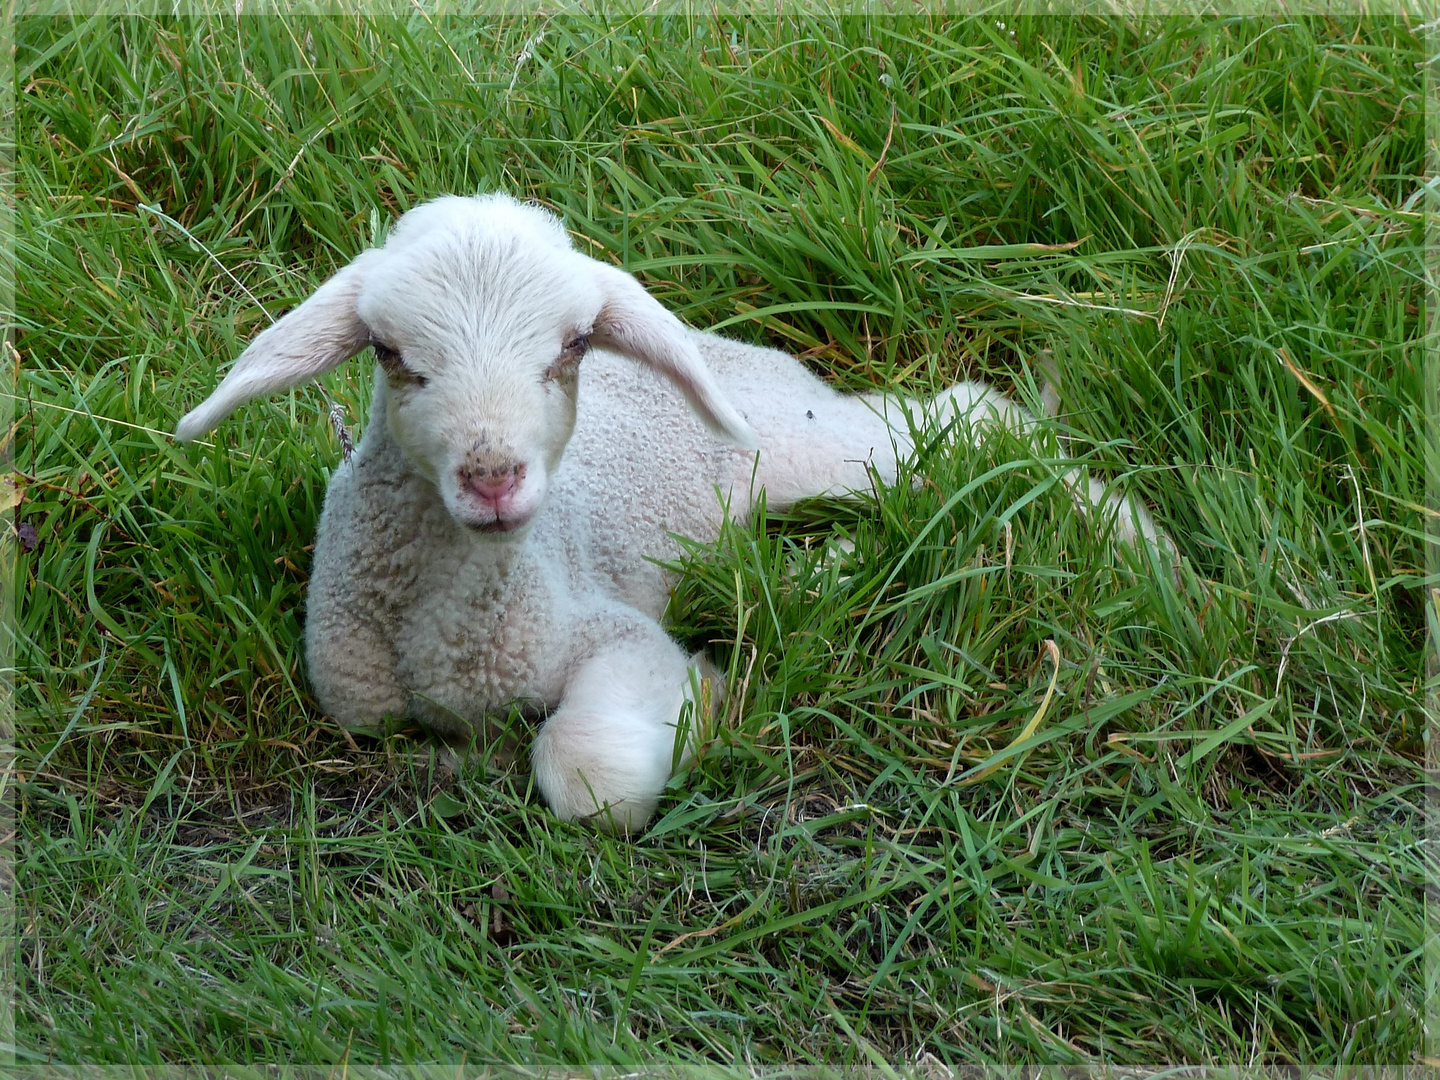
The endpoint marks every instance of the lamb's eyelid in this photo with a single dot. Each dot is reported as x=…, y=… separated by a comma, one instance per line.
x=567, y=361
x=394, y=364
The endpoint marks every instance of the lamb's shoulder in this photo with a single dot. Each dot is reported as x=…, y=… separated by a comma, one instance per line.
x=366, y=559
x=640, y=469
x=377, y=525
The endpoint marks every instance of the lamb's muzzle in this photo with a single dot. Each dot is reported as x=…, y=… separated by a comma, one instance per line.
x=494, y=488
x=497, y=535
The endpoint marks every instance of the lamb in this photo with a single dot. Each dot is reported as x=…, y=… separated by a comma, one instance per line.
x=528, y=447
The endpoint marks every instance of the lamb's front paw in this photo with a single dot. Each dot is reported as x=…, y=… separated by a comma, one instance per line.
x=607, y=768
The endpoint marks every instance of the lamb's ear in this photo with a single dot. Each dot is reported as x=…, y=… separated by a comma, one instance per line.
x=320, y=334
x=633, y=322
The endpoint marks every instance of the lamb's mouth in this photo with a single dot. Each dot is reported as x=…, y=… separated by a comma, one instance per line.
x=497, y=526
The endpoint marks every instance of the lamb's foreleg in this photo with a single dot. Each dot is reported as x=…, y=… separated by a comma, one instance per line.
x=607, y=751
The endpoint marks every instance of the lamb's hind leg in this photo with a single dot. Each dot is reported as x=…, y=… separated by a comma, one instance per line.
x=825, y=443
x=828, y=443
x=978, y=406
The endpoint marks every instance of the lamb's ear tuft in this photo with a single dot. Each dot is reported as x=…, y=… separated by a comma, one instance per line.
x=320, y=334
x=634, y=323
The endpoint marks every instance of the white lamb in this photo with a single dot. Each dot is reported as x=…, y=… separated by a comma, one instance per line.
x=491, y=539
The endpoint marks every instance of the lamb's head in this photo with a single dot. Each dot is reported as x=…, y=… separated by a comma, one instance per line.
x=480, y=313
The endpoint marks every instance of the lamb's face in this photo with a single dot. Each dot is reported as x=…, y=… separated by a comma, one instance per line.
x=481, y=336
x=480, y=312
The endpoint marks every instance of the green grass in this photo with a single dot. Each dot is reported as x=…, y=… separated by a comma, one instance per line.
x=1208, y=849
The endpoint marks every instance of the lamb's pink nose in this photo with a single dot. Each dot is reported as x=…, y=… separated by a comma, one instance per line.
x=494, y=487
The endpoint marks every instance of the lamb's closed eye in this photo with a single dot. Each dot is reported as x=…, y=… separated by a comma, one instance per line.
x=394, y=364
x=568, y=362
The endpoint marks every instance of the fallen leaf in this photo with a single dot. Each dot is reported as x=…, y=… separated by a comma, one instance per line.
x=12, y=491
x=845, y=139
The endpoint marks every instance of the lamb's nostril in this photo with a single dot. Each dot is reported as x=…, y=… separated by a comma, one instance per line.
x=494, y=485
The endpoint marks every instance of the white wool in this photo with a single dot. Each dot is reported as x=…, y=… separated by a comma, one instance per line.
x=492, y=539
